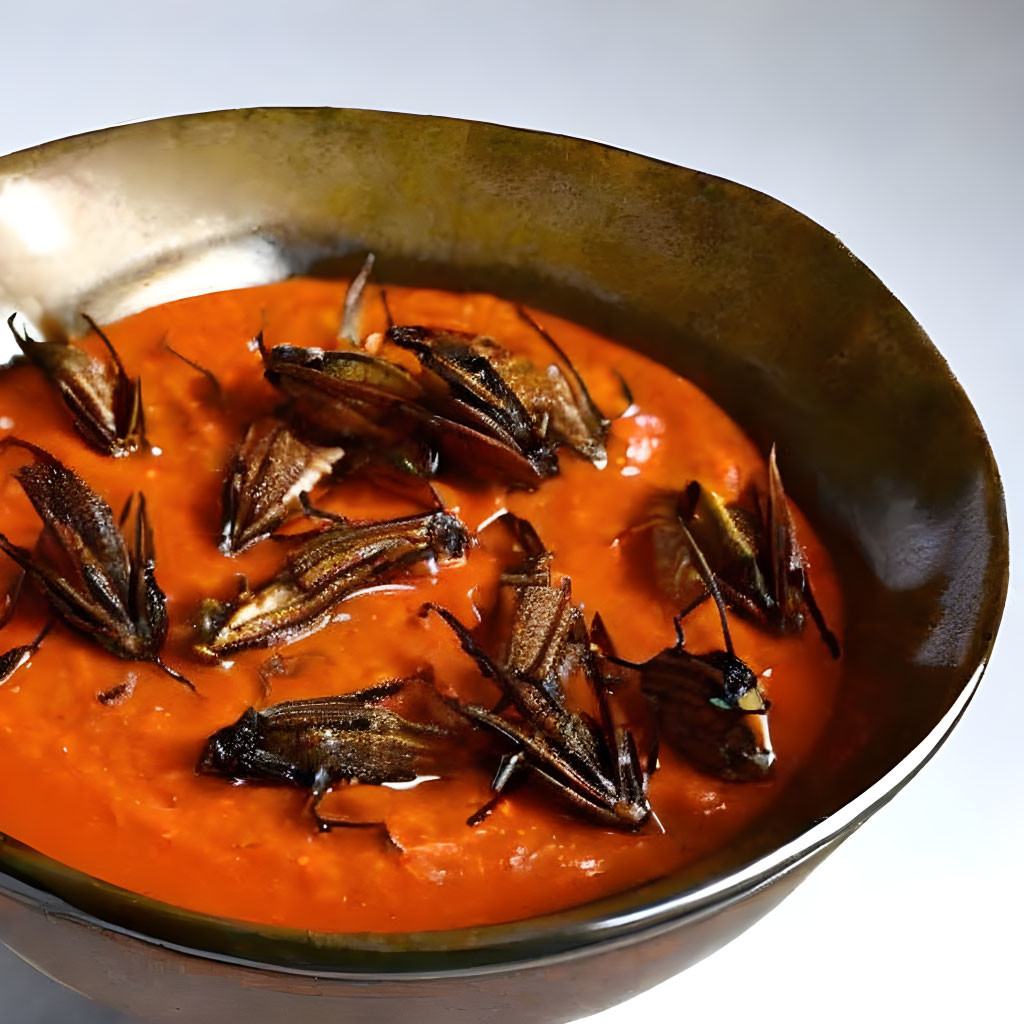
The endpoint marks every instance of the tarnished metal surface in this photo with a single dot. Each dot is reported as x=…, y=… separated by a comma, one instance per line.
x=763, y=308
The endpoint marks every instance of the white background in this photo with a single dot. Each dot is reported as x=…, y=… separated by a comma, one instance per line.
x=898, y=125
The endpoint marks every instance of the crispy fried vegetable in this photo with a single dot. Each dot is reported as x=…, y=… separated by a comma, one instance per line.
x=709, y=707
x=105, y=402
x=268, y=472
x=751, y=548
x=329, y=566
x=593, y=764
x=96, y=583
x=320, y=743
x=12, y=660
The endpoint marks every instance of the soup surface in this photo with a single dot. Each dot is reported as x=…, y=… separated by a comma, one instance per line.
x=110, y=787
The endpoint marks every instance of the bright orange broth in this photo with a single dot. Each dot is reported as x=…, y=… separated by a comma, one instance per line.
x=111, y=790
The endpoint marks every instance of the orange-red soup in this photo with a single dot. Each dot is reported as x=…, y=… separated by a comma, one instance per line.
x=111, y=790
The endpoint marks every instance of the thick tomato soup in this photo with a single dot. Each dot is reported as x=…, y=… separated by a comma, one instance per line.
x=99, y=753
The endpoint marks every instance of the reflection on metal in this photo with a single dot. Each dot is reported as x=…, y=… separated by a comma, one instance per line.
x=28, y=213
